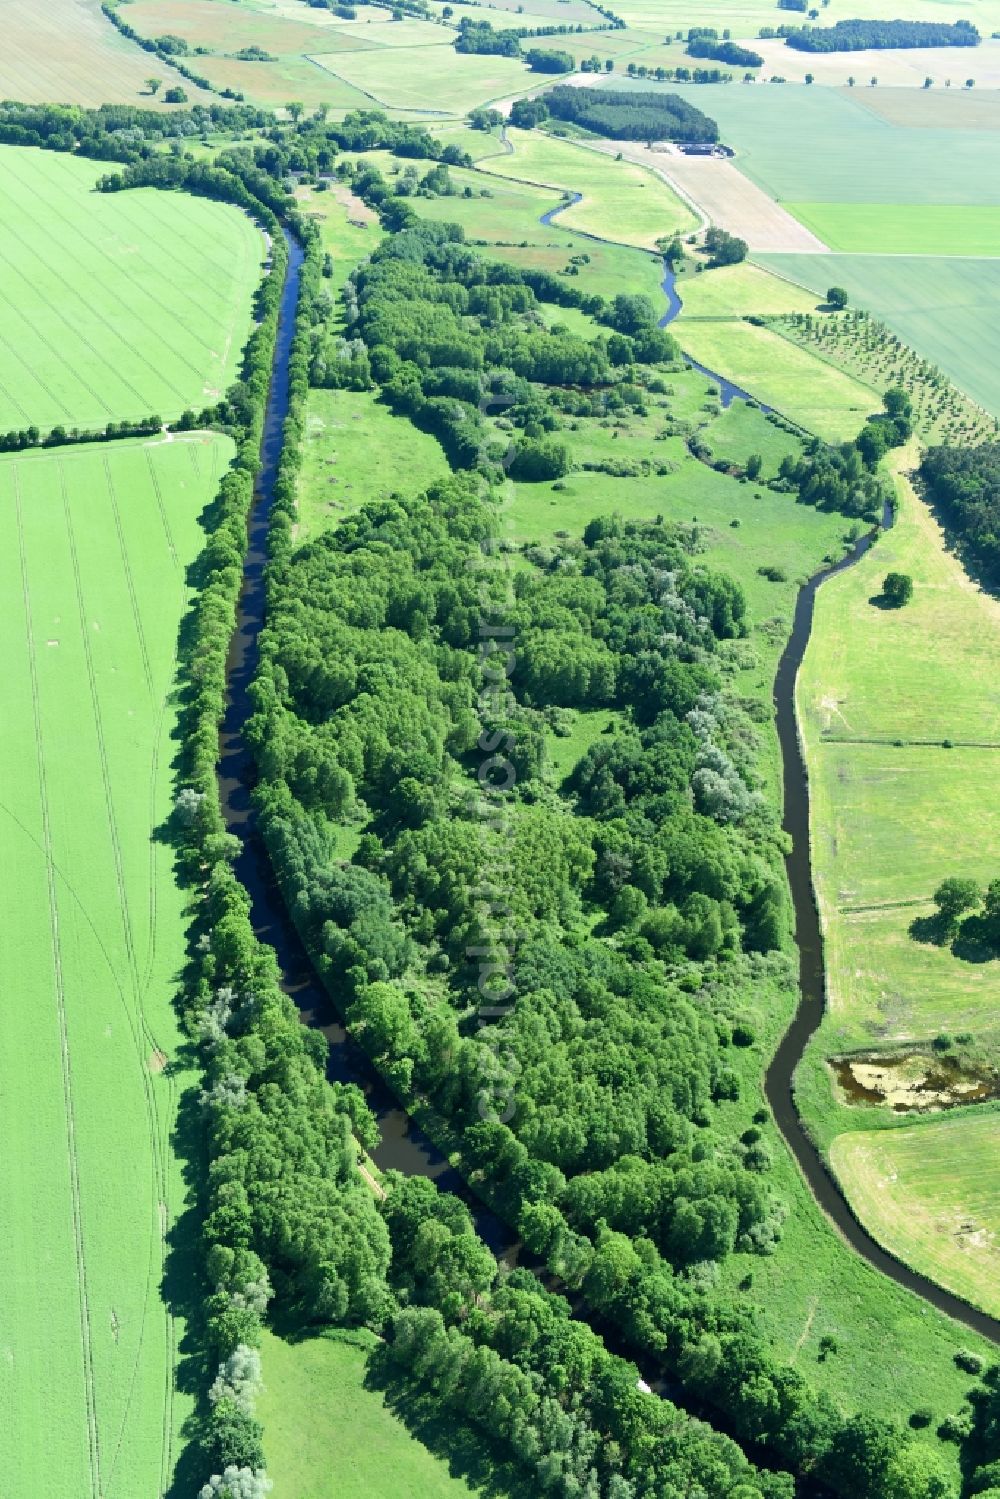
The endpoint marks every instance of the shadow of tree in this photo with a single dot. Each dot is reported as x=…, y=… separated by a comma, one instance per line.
x=935, y=930
x=469, y=1454
x=974, y=941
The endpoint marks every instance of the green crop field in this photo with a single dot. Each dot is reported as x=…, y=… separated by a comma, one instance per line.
x=904, y=228
x=114, y=305
x=931, y=1194
x=95, y=547
x=820, y=145
x=947, y=309
x=356, y=450
x=327, y=1435
x=621, y=201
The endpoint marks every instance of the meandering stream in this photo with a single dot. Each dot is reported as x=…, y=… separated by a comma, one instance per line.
x=403, y=1145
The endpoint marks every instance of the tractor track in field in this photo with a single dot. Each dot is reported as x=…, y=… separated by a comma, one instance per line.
x=136, y=1019
x=93, y=1438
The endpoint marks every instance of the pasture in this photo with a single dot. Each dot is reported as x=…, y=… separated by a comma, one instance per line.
x=621, y=200
x=356, y=450
x=946, y=308
x=931, y=1194
x=738, y=291
x=818, y=396
x=891, y=820
x=115, y=305
x=95, y=546
x=326, y=1434
x=65, y=52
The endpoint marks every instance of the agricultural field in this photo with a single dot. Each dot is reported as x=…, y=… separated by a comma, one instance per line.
x=356, y=450
x=611, y=207
x=428, y=80
x=738, y=291
x=328, y=1434
x=895, y=68
x=931, y=1194
x=939, y=229
x=946, y=308
x=115, y=305
x=95, y=547
x=66, y=52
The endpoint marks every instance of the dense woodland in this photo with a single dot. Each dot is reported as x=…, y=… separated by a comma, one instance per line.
x=965, y=484
x=630, y=115
x=856, y=36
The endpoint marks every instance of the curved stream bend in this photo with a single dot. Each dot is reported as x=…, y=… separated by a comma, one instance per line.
x=404, y=1146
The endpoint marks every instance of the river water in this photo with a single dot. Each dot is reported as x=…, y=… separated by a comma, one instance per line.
x=403, y=1145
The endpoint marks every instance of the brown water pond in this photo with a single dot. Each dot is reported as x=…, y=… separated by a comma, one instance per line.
x=914, y=1082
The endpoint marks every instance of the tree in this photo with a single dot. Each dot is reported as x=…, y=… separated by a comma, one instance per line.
x=810, y=78
x=897, y=589
x=296, y=109
x=954, y=896
x=175, y=96
x=836, y=297
x=154, y=85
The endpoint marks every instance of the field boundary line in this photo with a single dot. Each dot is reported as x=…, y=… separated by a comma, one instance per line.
x=67, y=1077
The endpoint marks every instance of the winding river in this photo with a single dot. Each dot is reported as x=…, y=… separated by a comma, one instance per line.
x=403, y=1145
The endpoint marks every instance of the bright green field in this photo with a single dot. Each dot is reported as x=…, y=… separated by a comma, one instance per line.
x=356, y=450
x=946, y=309
x=931, y=1193
x=904, y=228
x=114, y=306
x=326, y=1436
x=738, y=290
x=621, y=201
x=819, y=397
x=93, y=549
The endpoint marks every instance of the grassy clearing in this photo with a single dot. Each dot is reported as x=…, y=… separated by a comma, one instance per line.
x=931, y=1194
x=904, y=228
x=115, y=305
x=621, y=201
x=736, y=291
x=326, y=1435
x=65, y=51
x=356, y=450
x=946, y=309
x=819, y=397
x=350, y=230
x=95, y=547
x=427, y=78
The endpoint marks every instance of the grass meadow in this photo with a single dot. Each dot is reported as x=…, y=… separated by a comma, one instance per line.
x=612, y=207
x=738, y=291
x=427, y=78
x=327, y=1435
x=356, y=450
x=821, y=398
x=931, y=1194
x=95, y=544
x=946, y=308
x=115, y=305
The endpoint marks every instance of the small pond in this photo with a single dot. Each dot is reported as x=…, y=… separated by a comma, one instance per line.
x=914, y=1082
